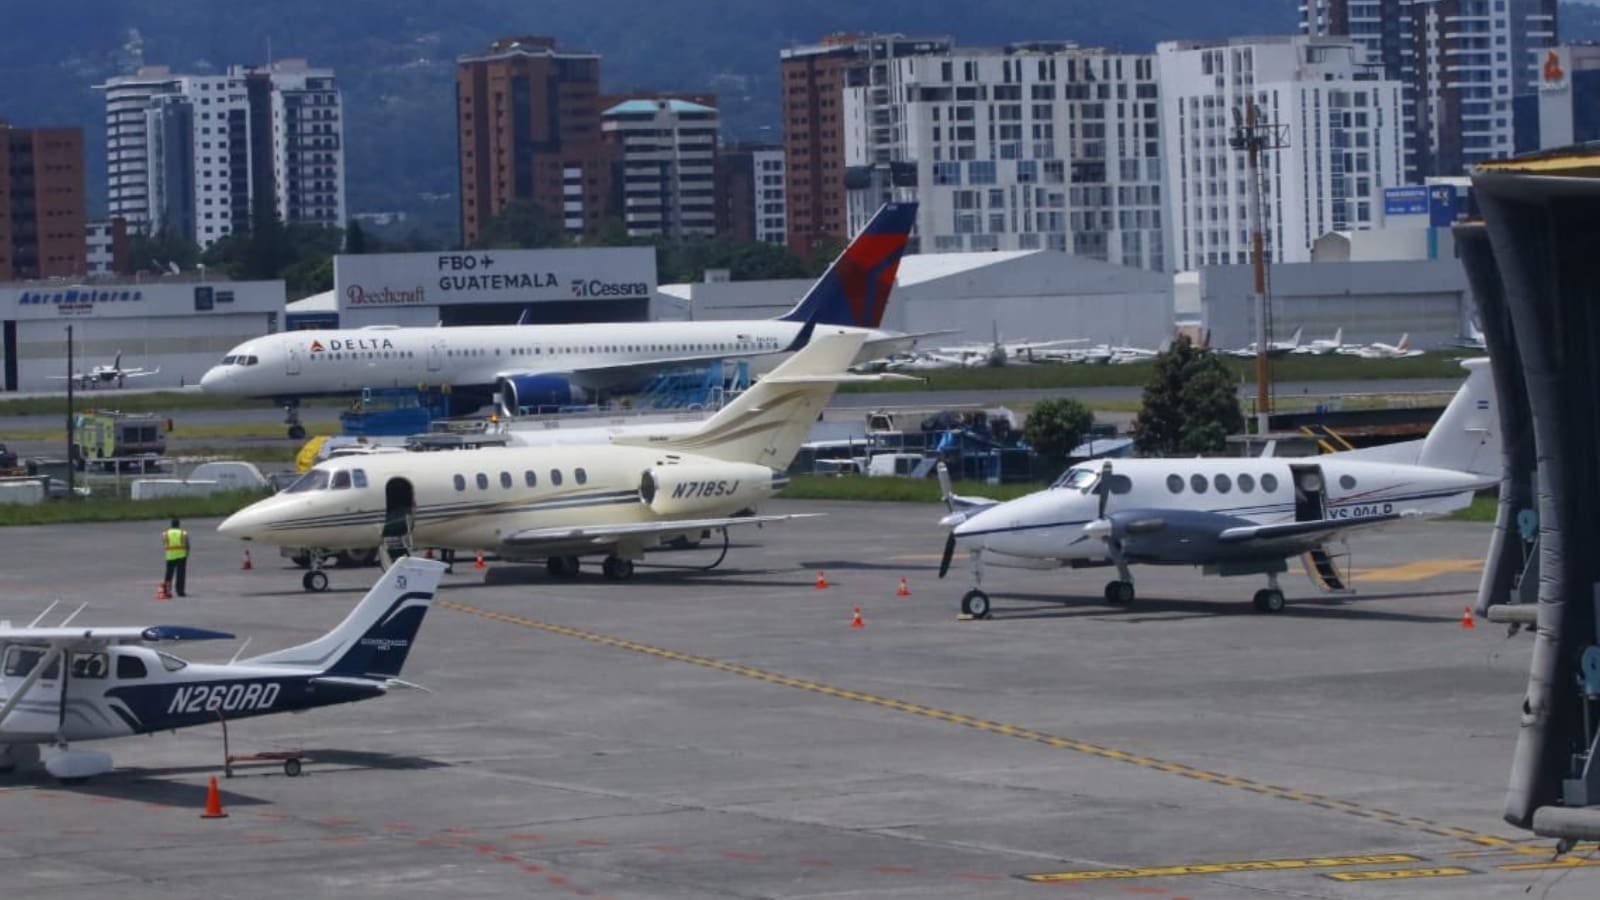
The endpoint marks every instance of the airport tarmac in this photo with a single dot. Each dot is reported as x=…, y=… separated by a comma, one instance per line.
x=729, y=735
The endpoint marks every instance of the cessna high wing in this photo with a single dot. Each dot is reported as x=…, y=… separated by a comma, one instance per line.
x=1238, y=516
x=617, y=498
x=106, y=376
x=558, y=365
x=80, y=683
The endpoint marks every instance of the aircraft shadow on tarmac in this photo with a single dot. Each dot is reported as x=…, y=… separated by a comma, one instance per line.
x=1347, y=607
x=154, y=785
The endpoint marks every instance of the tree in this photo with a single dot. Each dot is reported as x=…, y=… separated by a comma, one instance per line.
x=1056, y=426
x=1190, y=405
x=157, y=252
x=355, y=238
x=522, y=224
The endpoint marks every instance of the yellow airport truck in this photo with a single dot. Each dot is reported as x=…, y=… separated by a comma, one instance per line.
x=109, y=439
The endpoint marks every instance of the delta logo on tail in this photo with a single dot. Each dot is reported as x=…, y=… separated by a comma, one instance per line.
x=855, y=289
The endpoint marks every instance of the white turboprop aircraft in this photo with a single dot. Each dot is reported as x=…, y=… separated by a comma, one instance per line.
x=1401, y=349
x=1235, y=516
x=1322, y=346
x=618, y=497
x=79, y=683
x=106, y=376
x=559, y=365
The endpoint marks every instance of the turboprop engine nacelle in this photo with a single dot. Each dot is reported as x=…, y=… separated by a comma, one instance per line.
x=675, y=490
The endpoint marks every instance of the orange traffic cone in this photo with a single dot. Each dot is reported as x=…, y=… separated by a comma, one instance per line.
x=1466, y=618
x=163, y=592
x=248, y=565
x=213, y=802
x=904, y=590
x=478, y=563
x=822, y=582
x=428, y=553
x=855, y=621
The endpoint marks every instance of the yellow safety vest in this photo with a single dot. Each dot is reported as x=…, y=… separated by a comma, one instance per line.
x=175, y=540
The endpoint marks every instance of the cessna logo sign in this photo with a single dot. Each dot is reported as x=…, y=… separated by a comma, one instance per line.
x=398, y=280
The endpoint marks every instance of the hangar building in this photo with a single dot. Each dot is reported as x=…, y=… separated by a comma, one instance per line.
x=1026, y=294
x=492, y=287
x=180, y=324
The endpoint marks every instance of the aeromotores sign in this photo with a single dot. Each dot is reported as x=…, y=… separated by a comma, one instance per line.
x=493, y=276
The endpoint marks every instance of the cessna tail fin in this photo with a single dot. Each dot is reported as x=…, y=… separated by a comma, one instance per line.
x=374, y=639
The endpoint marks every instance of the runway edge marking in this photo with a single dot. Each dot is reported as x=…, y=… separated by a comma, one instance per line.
x=1415, y=823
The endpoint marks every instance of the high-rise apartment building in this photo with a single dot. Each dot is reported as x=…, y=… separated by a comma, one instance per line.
x=41, y=202
x=1461, y=62
x=528, y=120
x=194, y=154
x=1341, y=131
x=1030, y=146
x=666, y=147
x=750, y=192
x=813, y=79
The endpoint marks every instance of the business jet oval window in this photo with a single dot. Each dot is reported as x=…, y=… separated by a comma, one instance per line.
x=1269, y=483
x=1224, y=484
x=1175, y=483
x=530, y=479
x=461, y=483
x=1197, y=483
x=483, y=482
x=555, y=477
x=505, y=479
x=1310, y=482
x=1348, y=482
x=1247, y=483
x=580, y=476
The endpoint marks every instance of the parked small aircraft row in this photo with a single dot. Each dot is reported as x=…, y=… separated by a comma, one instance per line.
x=107, y=376
x=1400, y=349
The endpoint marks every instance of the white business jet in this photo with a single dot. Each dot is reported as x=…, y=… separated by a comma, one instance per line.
x=106, y=376
x=80, y=683
x=1322, y=346
x=1234, y=516
x=618, y=497
x=1274, y=348
x=551, y=366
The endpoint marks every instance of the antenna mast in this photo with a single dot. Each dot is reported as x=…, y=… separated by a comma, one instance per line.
x=1252, y=136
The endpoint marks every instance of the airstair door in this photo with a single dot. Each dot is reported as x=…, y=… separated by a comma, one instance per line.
x=1310, y=494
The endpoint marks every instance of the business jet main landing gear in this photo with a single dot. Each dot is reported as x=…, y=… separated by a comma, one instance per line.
x=1269, y=599
x=562, y=566
x=291, y=418
x=617, y=569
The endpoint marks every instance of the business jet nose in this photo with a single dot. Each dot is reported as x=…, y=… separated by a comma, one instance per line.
x=242, y=525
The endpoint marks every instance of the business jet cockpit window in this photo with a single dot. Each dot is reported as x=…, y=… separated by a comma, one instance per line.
x=314, y=480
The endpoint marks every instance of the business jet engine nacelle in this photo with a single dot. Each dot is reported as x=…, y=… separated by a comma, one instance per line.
x=692, y=488
x=534, y=391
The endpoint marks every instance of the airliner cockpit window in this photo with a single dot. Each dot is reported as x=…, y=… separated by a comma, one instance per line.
x=227, y=360
x=314, y=480
x=1077, y=479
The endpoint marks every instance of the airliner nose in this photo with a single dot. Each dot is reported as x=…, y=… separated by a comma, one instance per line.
x=212, y=379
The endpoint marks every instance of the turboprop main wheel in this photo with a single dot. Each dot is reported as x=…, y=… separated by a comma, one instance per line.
x=562, y=566
x=975, y=603
x=315, y=581
x=1268, y=600
x=617, y=569
x=1119, y=593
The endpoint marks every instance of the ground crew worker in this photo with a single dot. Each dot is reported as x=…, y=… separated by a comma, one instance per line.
x=176, y=543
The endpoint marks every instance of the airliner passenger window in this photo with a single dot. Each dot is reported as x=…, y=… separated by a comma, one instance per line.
x=1269, y=483
x=341, y=480
x=483, y=482
x=555, y=477
x=1175, y=483
x=580, y=475
x=461, y=483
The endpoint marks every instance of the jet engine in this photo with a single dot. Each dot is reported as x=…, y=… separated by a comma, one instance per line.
x=534, y=391
x=704, y=488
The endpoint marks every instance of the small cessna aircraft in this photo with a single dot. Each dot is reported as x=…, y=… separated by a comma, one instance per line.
x=75, y=683
x=105, y=376
x=1322, y=346
x=1226, y=516
x=617, y=497
x=1379, y=350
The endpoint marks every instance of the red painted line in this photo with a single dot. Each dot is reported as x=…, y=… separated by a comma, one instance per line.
x=665, y=848
x=526, y=837
x=461, y=831
x=591, y=842
x=555, y=879
x=400, y=826
x=735, y=854
x=486, y=848
x=531, y=868
x=509, y=858
x=339, y=820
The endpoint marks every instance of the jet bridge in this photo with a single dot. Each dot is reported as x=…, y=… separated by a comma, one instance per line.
x=1536, y=277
